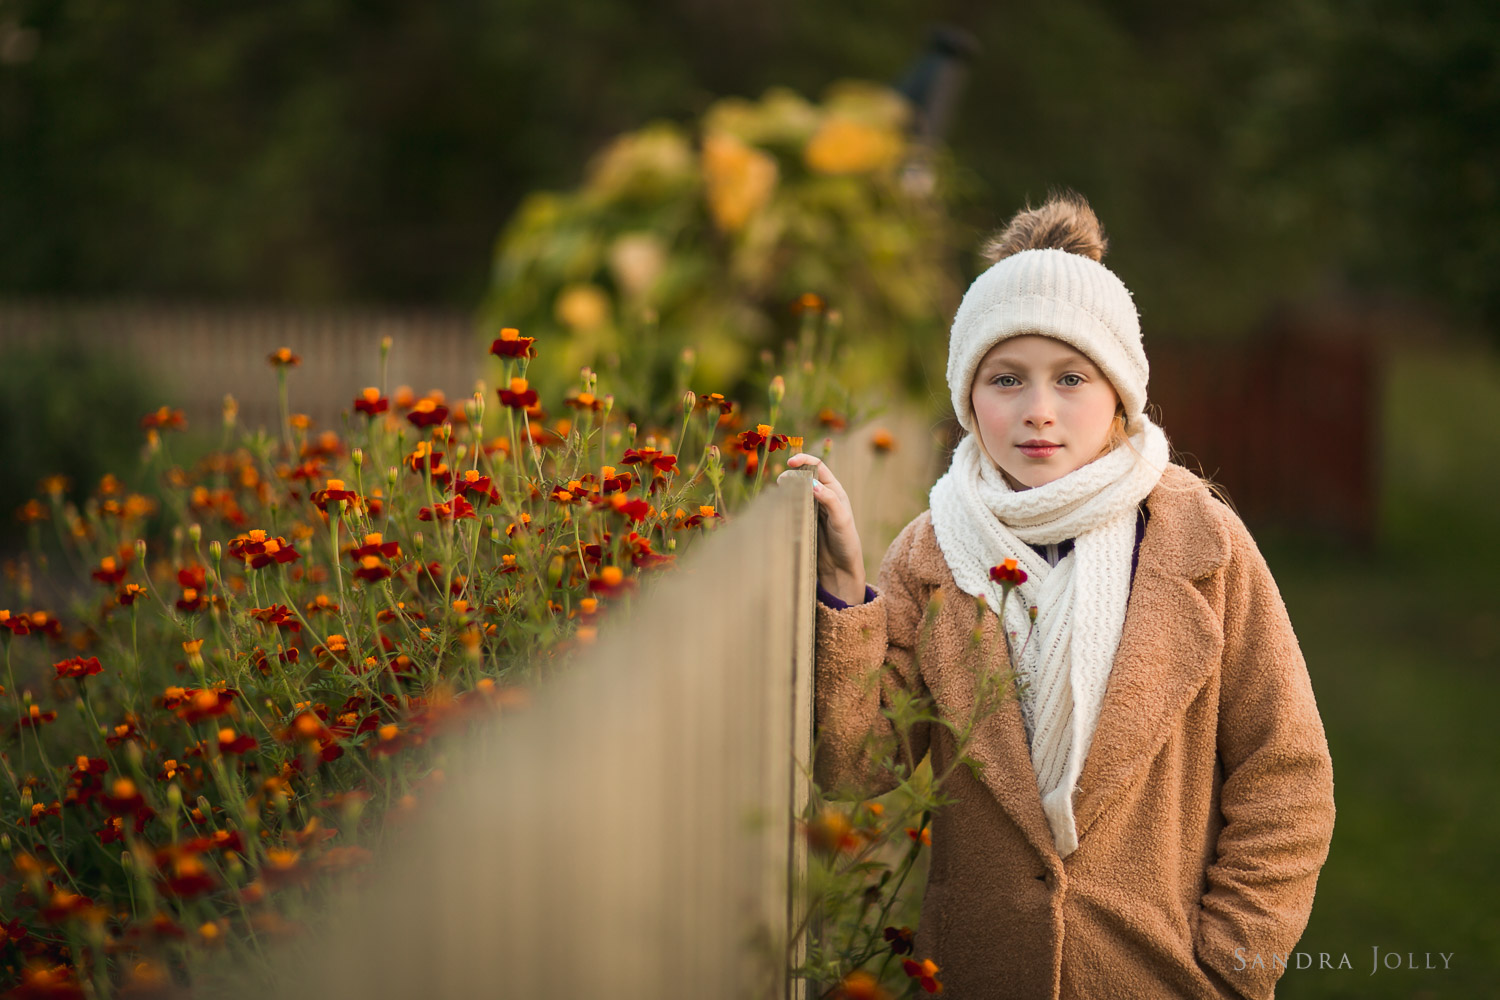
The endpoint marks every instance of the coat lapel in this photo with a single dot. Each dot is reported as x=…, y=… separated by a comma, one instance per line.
x=1170, y=646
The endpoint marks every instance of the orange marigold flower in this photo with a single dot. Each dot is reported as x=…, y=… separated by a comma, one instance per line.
x=510, y=344
x=749, y=441
x=519, y=396
x=860, y=985
x=110, y=570
x=375, y=545
x=283, y=358
x=31, y=511
x=456, y=510
x=323, y=604
x=472, y=482
x=78, y=667
x=924, y=834
x=882, y=441
x=609, y=580
x=129, y=593
x=582, y=401
x=278, y=615
x=901, y=939
x=164, y=418
x=371, y=403
x=807, y=302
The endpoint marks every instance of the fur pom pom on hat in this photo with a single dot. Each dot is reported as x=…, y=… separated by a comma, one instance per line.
x=1047, y=280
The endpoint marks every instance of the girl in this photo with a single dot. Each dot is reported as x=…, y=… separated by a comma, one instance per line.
x=1151, y=811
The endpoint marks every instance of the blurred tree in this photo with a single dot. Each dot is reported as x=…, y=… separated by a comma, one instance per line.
x=333, y=149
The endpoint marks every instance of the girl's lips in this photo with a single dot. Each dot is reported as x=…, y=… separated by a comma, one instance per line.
x=1039, y=451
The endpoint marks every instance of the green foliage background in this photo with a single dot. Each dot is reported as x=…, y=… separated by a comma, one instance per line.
x=333, y=150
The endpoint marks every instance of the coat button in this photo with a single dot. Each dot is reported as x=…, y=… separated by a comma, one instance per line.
x=1042, y=877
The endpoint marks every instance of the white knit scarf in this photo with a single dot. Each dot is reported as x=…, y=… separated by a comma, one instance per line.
x=1063, y=670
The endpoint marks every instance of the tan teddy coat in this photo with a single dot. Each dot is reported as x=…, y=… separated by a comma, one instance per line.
x=1205, y=805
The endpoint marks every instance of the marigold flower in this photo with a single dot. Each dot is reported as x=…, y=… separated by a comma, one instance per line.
x=882, y=441
x=830, y=419
x=706, y=512
x=278, y=615
x=321, y=603
x=258, y=550
x=229, y=742
x=831, y=832
x=510, y=344
x=283, y=358
x=924, y=834
x=749, y=441
x=35, y=717
x=472, y=482
x=1007, y=575
x=78, y=667
x=637, y=509
x=427, y=413
x=715, y=400
x=662, y=463
x=900, y=939
x=371, y=403
x=519, y=396
x=164, y=418
x=333, y=493
x=110, y=570
x=456, y=510
x=860, y=985
x=129, y=593
x=204, y=703
x=925, y=971
x=584, y=401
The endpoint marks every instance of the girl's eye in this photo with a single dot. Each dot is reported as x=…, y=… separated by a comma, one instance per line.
x=1006, y=380
x=1076, y=380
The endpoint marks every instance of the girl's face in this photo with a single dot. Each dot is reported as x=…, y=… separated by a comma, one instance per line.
x=1041, y=408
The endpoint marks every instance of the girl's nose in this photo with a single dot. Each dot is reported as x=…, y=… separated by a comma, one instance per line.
x=1038, y=410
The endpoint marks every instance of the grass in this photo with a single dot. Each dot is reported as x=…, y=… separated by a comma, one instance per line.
x=1402, y=644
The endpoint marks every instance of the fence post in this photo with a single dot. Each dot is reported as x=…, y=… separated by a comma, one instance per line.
x=804, y=597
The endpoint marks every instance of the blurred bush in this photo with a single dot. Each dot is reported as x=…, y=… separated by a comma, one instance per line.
x=713, y=238
x=74, y=413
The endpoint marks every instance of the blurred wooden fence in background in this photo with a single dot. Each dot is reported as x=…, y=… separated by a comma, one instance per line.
x=200, y=353
x=1288, y=421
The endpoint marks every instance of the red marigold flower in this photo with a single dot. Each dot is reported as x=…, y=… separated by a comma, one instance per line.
x=584, y=401
x=278, y=615
x=706, y=512
x=372, y=569
x=186, y=874
x=32, y=510
x=860, y=985
x=567, y=493
x=924, y=834
x=40, y=810
x=637, y=510
x=456, y=509
x=749, y=441
x=717, y=401
x=883, y=441
x=229, y=742
x=900, y=939
x=128, y=594
x=831, y=832
x=375, y=545
x=510, y=344
x=78, y=667
x=371, y=402
x=830, y=419
x=926, y=971
x=321, y=603
x=111, y=570
x=258, y=550
x=333, y=493
x=427, y=413
x=164, y=418
x=123, y=797
x=283, y=358
x=659, y=461
x=424, y=458
x=1007, y=575
x=472, y=482
x=204, y=703
x=610, y=580
x=35, y=717
x=519, y=396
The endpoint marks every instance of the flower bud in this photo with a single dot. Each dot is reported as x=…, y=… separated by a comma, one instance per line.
x=195, y=533
x=385, y=347
x=391, y=475
x=174, y=796
x=609, y=404
x=140, y=549
x=4, y=841
x=204, y=807
x=416, y=541
x=689, y=402
x=215, y=550
x=778, y=390
x=357, y=456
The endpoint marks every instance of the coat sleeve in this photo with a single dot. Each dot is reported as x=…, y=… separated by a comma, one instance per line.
x=865, y=653
x=1277, y=795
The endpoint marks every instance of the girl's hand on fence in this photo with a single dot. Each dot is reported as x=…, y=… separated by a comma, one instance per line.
x=841, y=562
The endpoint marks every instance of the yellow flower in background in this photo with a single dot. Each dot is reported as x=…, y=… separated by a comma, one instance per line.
x=582, y=307
x=740, y=180
x=845, y=146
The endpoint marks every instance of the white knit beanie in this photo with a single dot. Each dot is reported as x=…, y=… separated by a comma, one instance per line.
x=1055, y=293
